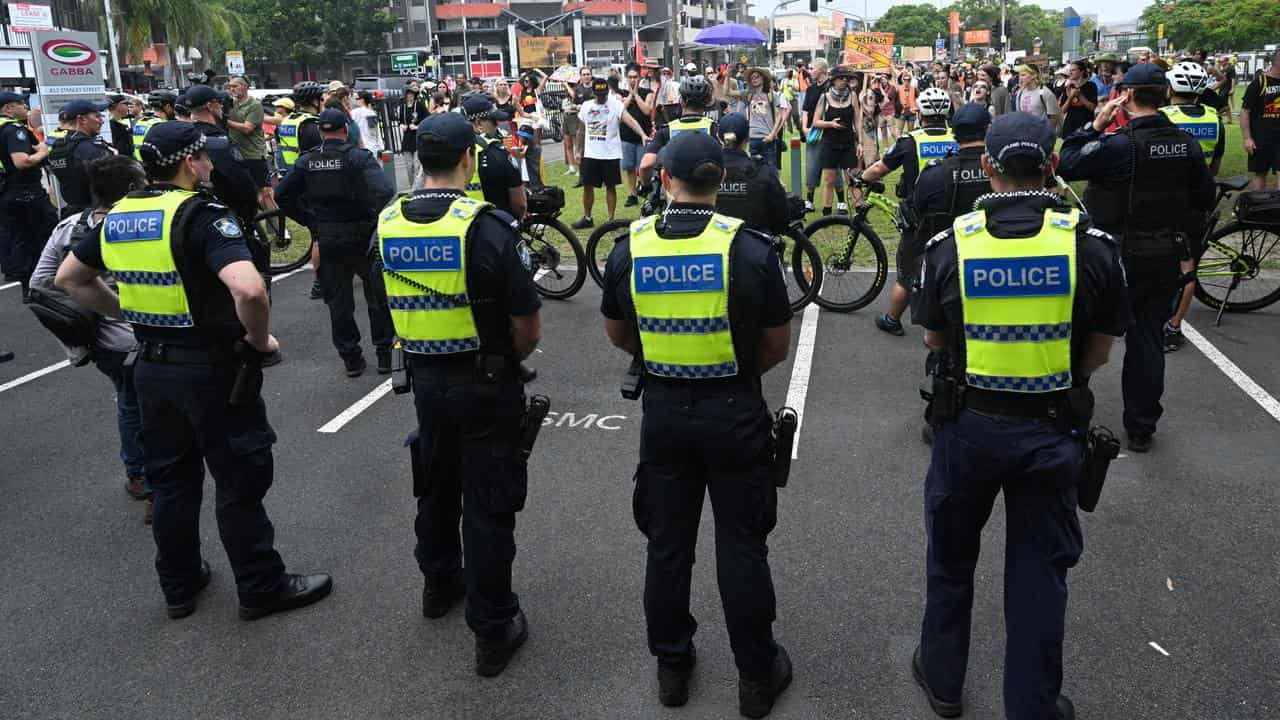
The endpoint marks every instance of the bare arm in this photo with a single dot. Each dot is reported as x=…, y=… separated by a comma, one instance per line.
x=634, y=125
x=1097, y=351
x=250, y=297
x=774, y=343
x=517, y=200
x=935, y=340
x=622, y=333
x=877, y=171
x=646, y=106
x=780, y=116
x=84, y=284
x=526, y=331
x=26, y=161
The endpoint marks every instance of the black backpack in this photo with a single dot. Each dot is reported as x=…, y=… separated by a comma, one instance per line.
x=73, y=325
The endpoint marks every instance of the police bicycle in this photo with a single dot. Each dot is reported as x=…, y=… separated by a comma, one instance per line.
x=854, y=263
x=557, y=260
x=290, y=248
x=1238, y=264
x=792, y=247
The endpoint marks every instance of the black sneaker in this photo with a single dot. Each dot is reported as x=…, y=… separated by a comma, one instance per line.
x=889, y=325
x=583, y=224
x=755, y=699
x=1173, y=338
x=1140, y=442
x=1065, y=709
x=384, y=362
x=272, y=359
x=631, y=201
x=316, y=292
x=941, y=708
x=355, y=365
x=492, y=656
x=673, y=679
x=439, y=596
x=183, y=608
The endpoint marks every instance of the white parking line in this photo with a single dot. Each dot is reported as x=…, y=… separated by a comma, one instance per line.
x=6, y=286
x=1157, y=648
x=34, y=375
x=360, y=406
x=1233, y=371
x=798, y=390
x=291, y=273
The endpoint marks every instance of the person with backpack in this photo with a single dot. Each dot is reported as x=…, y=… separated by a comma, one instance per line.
x=85, y=336
x=766, y=110
x=751, y=189
x=1033, y=98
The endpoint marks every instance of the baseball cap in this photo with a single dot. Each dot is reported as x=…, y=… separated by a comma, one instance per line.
x=480, y=107
x=599, y=85
x=687, y=151
x=971, y=120
x=449, y=131
x=114, y=100
x=335, y=85
x=1144, y=74
x=1026, y=138
x=198, y=95
x=76, y=108
x=332, y=119
x=284, y=102
x=735, y=124
x=8, y=97
x=167, y=143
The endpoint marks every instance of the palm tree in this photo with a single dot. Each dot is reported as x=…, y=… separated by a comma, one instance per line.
x=187, y=23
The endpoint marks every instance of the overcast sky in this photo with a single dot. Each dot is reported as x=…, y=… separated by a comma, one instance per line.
x=1107, y=10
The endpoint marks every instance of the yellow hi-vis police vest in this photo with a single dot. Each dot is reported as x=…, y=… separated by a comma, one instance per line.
x=680, y=289
x=1204, y=128
x=1016, y=295
x=140, y=130
x=137, y=248
x=933, y=147
x=287, y=136
x=700, y=124
x=432, y=255
x=475, y=190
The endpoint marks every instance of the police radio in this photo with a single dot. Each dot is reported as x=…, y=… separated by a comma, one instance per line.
x=400, y=383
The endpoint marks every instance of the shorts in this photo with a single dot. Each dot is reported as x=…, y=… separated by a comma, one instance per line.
x=570, y=124
x=813, y=167
x=595, y=173
x=257, y=170
x=631, y=154
x=908, y=259
x=843, y=157
x=1265, y=159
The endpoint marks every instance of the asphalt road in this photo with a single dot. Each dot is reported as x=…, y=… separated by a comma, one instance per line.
x=1182, y=552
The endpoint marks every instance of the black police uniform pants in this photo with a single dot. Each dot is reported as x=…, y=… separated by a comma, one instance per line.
x=975, y=457
x=343, y=257
x=1153, y=284
x=476, y=473
x=29, y=219
x=695, y=440
x=187, y=423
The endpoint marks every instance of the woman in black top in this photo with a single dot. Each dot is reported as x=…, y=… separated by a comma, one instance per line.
x=837, y=116
x=412, y=112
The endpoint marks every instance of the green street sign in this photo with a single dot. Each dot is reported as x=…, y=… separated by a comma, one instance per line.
x=404, y=61
x=897, y=54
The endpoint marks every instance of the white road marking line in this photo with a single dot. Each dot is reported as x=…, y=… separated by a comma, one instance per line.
x=33, y=375
x=360, y=406
x=6, y=286
x=291, y=273
x=1233, y=371
x=1159, y=649
x=799, y=388
x=1168, y=582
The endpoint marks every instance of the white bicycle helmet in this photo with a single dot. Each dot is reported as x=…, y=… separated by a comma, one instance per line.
x=1188, y=78
x=934, y=101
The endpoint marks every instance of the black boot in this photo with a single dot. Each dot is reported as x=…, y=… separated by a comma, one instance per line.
x=756, y=697
x=673, y=679
x=941, y=708
x=297, y=591
x=185, y=607
x=493, y=655
x=440, y=595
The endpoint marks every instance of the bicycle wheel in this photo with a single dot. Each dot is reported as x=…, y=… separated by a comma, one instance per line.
x=557, y=257
x=805, y=279
x=290, y=246
x=601, y=243
x=854, y=264
x=1239, y=266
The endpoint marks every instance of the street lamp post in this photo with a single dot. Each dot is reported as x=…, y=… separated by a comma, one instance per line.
x=772, y=17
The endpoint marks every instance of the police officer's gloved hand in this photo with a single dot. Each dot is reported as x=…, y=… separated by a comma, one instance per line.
x=643, y=189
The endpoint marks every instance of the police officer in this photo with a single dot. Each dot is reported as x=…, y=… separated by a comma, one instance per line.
x=1021, y=300
x=946, y=188
x=1187, y=80
x=706, y=427
x=232, y=182
x=69, y=156
x=160, y=107
x=25, y=209
x=1150, y=186
x=466, y=310
x=336, y=190
x=696, y=98
x=494, y=177
x=751, y=190
x=188, y=286
x=298, y=134
x=121, y=131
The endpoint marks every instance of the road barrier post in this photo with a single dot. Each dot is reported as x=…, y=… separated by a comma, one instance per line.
x=795, y=166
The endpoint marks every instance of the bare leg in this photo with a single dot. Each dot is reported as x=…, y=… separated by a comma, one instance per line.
x=611, y=199
x=588, y=199
x=828, y=187
x=898, y=302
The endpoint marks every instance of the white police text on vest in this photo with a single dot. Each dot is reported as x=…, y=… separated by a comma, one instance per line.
x=330, y=164
x=422, y=253
x=1019, y=276
x=134, y=226
x=1171, y=150
x=679, y=273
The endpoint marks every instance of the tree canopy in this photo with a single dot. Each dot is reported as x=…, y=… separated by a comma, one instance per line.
x=1215, y=25
x=311, y=32
x=920, y=24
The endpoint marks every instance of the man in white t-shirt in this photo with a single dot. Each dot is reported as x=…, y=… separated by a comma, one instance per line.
x=367, y=118
x=602, y=155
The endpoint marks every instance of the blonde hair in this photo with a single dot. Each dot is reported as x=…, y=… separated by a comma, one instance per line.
x=820, y=64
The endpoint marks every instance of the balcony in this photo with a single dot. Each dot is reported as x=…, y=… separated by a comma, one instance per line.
x=448, y=11
x=609, y=7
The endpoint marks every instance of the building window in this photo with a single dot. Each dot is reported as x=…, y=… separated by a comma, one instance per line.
x=788, y=35
x=442, y=25
x=419, y=3
x=399, y=27
x=603, y=21
x=482, y=23
x=419, y=26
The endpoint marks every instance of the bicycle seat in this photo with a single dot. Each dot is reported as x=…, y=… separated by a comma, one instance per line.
x=1234, y=184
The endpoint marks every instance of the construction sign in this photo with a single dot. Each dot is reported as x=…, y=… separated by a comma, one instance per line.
x=868, y=50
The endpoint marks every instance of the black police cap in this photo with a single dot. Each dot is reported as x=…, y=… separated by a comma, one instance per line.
x=689, y=150
x=332, y=119
x=445, y=131
x=198, y=95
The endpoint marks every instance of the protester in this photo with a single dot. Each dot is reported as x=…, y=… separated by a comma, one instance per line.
x=1080, y=98
x=1035, y=99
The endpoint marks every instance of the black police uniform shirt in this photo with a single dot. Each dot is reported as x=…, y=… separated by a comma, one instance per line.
x=290, y=194
x=497, y=173
x=903, y=155
x=121, y=137
x=86, y=150
x=18, y=139
x=663, y=135
x=759, y=200
x=757, y=292
x=1101, y=303
x=231, y=180
x=930, y=194
x=213, y=240
x=499, y=280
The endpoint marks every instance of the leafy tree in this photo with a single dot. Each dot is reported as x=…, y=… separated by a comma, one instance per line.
x=913, y=24
x=1215, y=25
x=186, y=23
x=311, y=32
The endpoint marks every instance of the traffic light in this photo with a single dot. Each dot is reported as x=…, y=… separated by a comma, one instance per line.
x=435, y=46
x=813, y=5
x=682, y=15
x=779, y=37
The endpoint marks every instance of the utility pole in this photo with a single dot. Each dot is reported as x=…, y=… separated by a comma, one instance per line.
x=111, y=40
x=1004, y=38
x=673, y=37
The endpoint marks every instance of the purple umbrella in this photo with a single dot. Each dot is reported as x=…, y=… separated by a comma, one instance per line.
x=730, y=34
